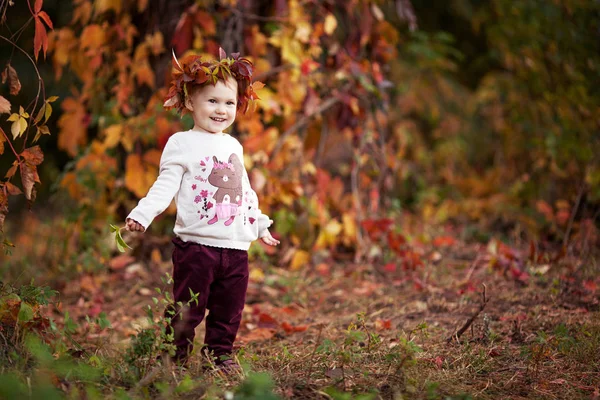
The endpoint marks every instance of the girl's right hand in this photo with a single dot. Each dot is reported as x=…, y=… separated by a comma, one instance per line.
x=133, y=226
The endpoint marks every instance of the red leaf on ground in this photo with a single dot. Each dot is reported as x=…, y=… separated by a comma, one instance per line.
x=289, y=328
x=444, y=241
x=267, y=321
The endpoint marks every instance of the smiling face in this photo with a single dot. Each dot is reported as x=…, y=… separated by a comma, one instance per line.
x=213, y=107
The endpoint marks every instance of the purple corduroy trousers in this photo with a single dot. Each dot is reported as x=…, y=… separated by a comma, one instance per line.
x=219, y=277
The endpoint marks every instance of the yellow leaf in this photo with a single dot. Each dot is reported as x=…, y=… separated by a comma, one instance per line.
x=257, y=275
x=13, y=117
x=22, y=125
x=330, y=24
x=299, y=260
x=4, y=106
x=112, y=136
x=349, y=227
x=328, y=235
x=15, y=129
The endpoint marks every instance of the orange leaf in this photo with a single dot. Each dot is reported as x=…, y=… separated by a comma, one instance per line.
x=33, y=155
x=2, y=140
x=73, y=126
x=258, y=335
x=12, y=189
x=139, y=175
x=289, y=328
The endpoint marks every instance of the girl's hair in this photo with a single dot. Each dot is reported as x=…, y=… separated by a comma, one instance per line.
x=193, y=73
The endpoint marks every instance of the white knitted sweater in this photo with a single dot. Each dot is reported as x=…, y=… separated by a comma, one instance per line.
x=205, y=174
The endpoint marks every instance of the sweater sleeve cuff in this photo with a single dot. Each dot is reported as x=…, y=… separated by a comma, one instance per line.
x=139, y=218
x=264, y=222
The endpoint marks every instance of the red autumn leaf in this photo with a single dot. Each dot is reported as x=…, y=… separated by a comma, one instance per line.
x=33, y=155
x=184, y=34
x=590, y=285
x=38, y=6
x=267, y=321
x=46, y=18
x=395, y=241
x=40, y=40
x=439, y=361
x=444, y=241
x=390, y=267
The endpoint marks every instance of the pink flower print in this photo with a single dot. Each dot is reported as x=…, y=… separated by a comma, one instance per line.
x=198, y=199
x=194, y=186
x=209, y=206
x=204, y=193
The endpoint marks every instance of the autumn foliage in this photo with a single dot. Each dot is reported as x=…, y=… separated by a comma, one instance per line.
x=362, y=116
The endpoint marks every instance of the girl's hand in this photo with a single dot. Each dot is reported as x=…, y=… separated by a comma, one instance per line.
x=269, y=239
x=133, y=226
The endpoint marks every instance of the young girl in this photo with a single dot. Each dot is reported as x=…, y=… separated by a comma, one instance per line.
x=217, y=210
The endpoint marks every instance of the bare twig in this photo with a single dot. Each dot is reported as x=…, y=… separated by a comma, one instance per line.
x=484, y=301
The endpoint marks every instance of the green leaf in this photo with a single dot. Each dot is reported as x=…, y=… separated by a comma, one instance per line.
x=103, y=322
x=121, y=245
x=114, y=228
x=25, y=313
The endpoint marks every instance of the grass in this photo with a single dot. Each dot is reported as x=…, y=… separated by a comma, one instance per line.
x=347, y=331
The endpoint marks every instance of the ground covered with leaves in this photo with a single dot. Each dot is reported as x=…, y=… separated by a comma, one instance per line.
x=482, y=321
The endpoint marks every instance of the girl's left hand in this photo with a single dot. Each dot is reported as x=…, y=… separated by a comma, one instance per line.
x=269, y=239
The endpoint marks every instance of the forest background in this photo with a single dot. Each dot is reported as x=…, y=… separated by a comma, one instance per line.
x=399, y=142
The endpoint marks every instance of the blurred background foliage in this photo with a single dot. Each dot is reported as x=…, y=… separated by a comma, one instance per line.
x=376, y=115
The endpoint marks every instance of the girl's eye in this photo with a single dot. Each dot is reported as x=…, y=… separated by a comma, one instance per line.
x=230, y=103
x=212, y=101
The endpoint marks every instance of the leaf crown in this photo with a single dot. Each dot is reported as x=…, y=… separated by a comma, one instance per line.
x=192, y=71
